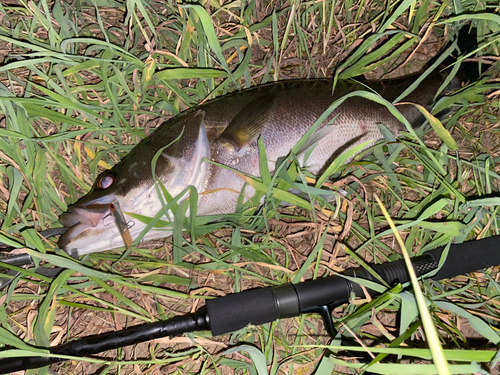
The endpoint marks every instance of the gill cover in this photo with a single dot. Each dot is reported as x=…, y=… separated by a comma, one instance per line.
x=176, y=151
x=182, y=164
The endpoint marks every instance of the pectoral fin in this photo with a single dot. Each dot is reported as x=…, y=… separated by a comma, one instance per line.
x=249, y=123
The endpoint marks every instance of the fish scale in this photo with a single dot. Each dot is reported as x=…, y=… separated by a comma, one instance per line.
x=226, y=130
x=296, y=108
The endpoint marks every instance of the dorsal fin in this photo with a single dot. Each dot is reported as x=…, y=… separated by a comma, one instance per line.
x=248, y=124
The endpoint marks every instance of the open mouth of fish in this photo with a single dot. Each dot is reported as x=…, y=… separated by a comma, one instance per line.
x=80, y=219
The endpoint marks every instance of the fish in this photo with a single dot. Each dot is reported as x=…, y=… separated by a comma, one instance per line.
x=191, y=149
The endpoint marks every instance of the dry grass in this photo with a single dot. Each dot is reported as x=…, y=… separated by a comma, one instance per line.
x=115, y=100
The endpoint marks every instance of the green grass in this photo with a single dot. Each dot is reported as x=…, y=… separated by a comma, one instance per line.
x=79, y=84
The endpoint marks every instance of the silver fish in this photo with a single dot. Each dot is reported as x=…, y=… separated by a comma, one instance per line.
x=226, y=130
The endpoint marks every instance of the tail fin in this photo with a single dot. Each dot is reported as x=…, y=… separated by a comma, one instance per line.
x=466, y=43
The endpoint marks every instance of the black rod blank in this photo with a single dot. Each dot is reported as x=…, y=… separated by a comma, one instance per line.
x=113, y=340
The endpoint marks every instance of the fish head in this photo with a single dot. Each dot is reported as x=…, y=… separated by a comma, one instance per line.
x=175, y=150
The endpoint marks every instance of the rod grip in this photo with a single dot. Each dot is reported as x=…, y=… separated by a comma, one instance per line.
x=259, y=306
x=467, y=257
x=235, y=311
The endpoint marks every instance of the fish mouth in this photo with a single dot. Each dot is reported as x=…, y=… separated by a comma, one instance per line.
x=80, y=219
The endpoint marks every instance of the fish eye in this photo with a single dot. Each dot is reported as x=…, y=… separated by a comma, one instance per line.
x=105, y=181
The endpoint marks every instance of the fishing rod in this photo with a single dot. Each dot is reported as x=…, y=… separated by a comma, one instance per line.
x=230, y=313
